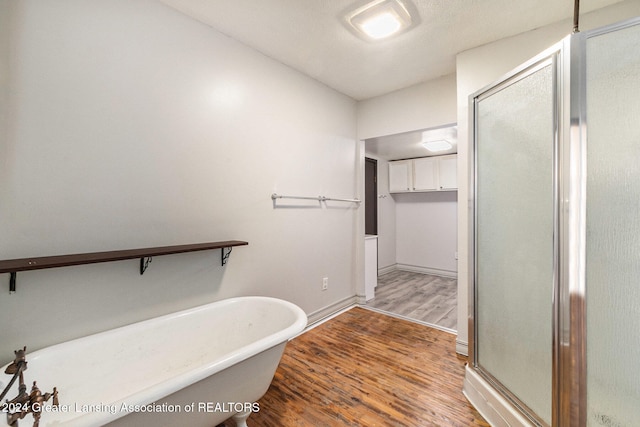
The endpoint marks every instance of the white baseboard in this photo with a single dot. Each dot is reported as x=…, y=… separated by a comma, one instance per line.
x=492, y=406
x=361, y=300
x=427, y=270
x=462, y=347
x=326, y=313
x=387, y=269
x=418, y=269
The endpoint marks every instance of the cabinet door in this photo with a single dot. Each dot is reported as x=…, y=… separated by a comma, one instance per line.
x=448, y=173
x=399, y=175
x=424, y=174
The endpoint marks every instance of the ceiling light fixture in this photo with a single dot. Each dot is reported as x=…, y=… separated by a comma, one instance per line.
x=439, y=145
x=380, y=19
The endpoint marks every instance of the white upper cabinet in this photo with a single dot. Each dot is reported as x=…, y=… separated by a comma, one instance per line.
x=448, y=167
x=400, y=173
x=424, y=174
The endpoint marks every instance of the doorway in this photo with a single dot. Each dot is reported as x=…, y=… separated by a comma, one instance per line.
x=370, y=196
x=416, y=229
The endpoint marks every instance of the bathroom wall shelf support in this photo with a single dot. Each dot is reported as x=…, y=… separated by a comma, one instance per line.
x=224, y=257
x=13, y=266
x=144, y=264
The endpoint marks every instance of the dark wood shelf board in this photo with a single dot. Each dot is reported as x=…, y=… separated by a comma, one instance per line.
x=26, y=264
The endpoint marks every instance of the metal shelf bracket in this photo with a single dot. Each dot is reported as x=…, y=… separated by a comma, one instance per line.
x=12, y=282
x=224, y=257
x=144, y=263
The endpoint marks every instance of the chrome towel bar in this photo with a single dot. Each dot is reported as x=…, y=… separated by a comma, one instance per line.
x=275, y=196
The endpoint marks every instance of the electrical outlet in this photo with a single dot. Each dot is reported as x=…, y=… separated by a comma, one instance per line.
x=325, y=283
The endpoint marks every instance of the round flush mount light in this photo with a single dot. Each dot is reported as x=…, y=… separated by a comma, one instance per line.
x=380, y=19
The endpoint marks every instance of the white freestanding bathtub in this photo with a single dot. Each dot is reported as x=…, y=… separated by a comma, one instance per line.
x=196, y=367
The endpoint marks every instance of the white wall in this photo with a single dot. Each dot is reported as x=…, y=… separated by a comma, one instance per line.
x=426, y=227
x=4, y=75
x=131, y=126
x=480, y=67
x=426, y=105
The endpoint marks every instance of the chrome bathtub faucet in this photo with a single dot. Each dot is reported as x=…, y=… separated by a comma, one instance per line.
x=24, y=404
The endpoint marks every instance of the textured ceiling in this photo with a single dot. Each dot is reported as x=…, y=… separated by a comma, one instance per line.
x=311, y=35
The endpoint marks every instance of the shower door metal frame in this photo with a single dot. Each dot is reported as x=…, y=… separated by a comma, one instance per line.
x=570, y=383
x=572, y=310
x=554, y=56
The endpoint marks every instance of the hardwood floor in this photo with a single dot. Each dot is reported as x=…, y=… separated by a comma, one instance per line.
x=422, y=297
x=364, y=368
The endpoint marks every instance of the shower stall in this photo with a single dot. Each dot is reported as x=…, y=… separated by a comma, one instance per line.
x=555, y=316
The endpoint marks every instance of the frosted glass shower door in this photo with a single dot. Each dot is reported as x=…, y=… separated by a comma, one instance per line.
x=613, y=227
x=514, y=232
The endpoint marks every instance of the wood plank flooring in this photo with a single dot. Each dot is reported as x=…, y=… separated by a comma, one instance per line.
x=364, y=368
x=423, y=297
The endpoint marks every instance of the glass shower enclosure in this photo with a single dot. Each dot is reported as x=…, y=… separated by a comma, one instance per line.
x=556, y=233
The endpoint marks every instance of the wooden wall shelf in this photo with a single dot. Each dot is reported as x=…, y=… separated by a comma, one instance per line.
x=12, y=266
